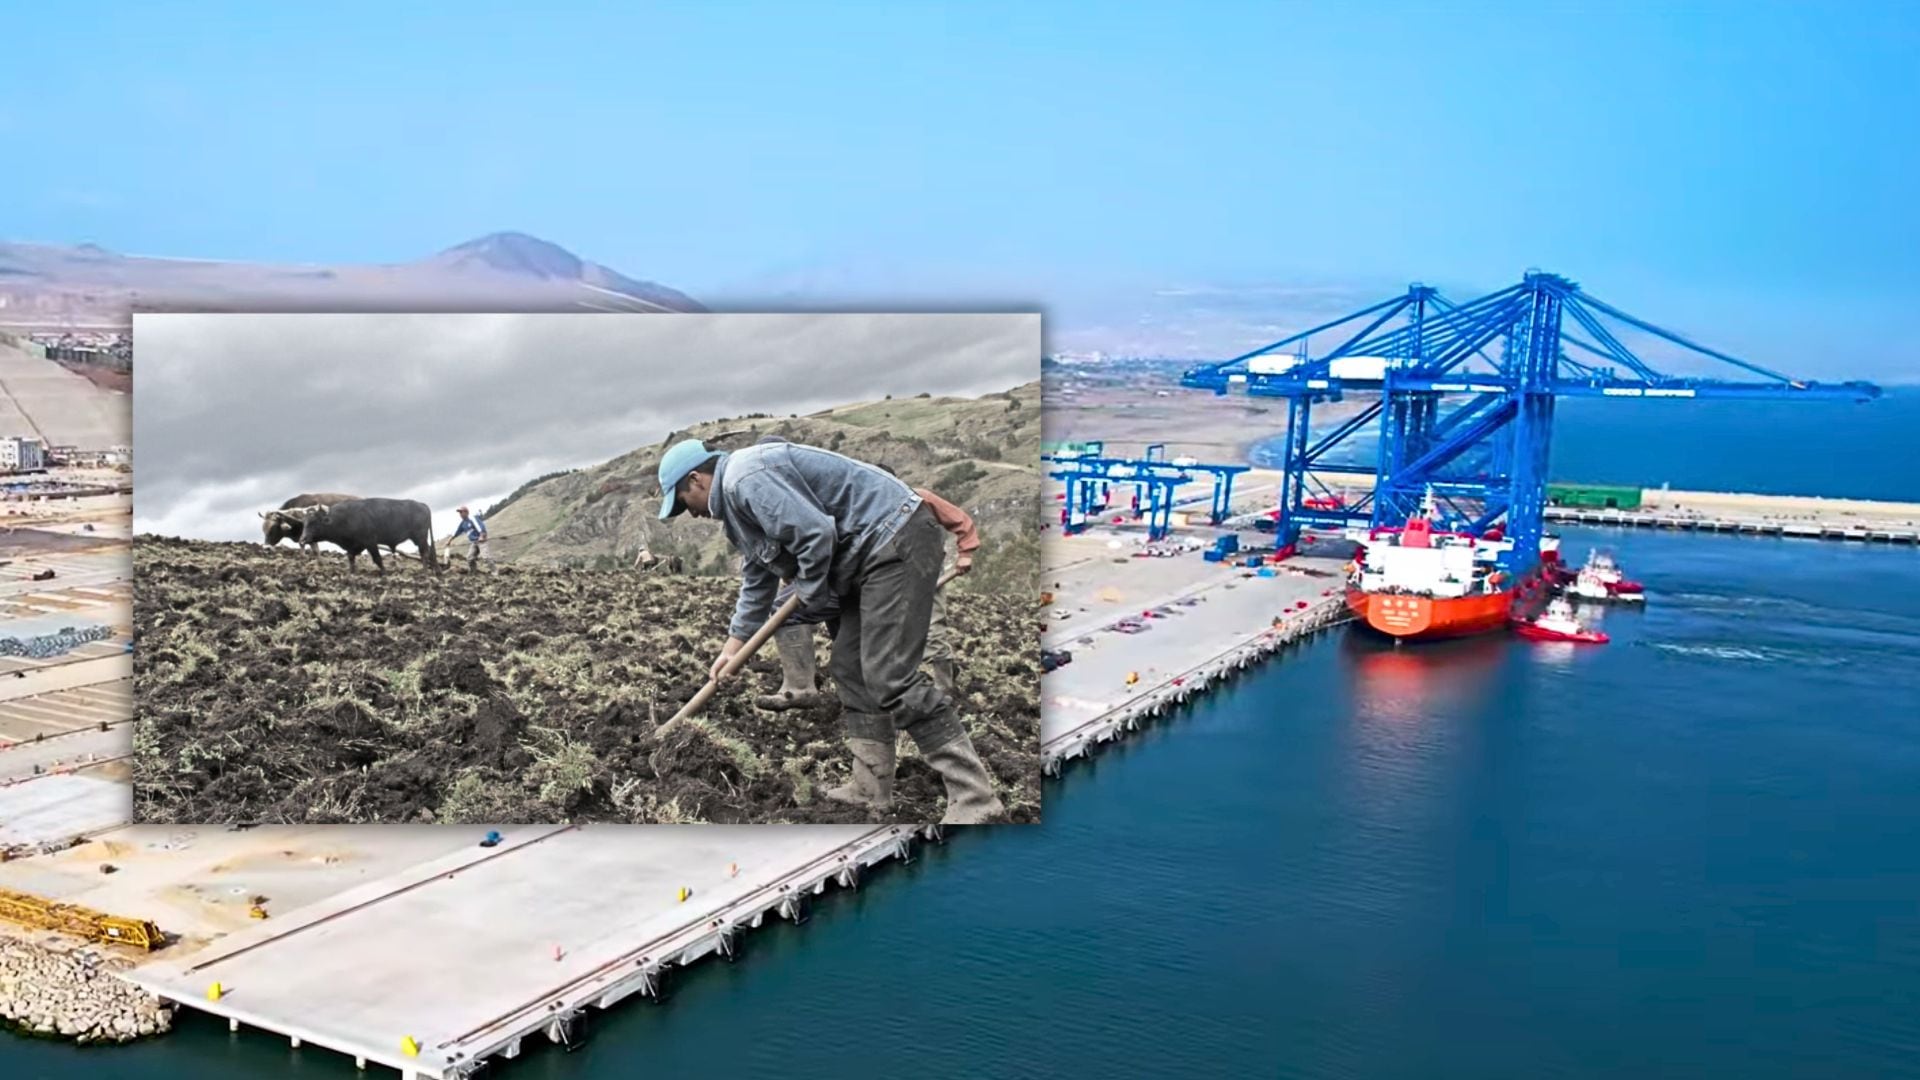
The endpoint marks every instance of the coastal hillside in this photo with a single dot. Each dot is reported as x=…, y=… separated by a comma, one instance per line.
x=982, y=453
x=86, y=288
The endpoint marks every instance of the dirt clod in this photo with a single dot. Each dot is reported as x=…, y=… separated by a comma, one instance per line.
x=273, y=687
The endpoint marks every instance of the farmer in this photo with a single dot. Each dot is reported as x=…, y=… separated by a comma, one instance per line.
x=474, y=528
x=794, y=639
x=851, y=538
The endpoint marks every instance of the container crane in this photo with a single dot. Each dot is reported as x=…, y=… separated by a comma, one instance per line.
x=1090, y=474
x=1462, y=396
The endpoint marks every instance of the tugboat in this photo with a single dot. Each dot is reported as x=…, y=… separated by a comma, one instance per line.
x=1600, y=581
x=1421, y=582
x=1609, y=575
x=1559, y=623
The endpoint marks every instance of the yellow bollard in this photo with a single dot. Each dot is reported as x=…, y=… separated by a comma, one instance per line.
x=409, y=1047
x=215, y=991
x=684, y=893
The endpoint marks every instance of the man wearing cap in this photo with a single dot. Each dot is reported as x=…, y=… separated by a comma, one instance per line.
x=851, y=536
x=474, y=528
x=794, y=640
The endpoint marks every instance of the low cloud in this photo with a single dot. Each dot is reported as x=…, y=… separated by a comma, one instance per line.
x=235, y=412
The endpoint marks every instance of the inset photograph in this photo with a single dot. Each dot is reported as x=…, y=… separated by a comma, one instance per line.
x=573, y=568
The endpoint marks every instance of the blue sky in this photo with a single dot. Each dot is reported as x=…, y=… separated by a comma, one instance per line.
x=1738, y=170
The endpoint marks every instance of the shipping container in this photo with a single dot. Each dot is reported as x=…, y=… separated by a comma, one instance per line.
x=1594, y=496
x=1372, y=368
x=1272, y=364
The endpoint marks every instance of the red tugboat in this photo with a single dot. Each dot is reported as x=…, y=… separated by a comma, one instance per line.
x=1559, y=623
x=1601, y=581
x=1607, y=573
x=1420, y=582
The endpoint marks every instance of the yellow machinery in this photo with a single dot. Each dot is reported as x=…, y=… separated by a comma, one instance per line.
x=42, y=914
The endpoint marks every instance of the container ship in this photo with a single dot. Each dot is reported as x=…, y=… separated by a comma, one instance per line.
x=1420, y=582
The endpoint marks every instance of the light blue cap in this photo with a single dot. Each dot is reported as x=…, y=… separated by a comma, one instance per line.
x=680, y=459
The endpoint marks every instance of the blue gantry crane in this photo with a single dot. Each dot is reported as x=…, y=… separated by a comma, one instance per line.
x=1090, y=474
x=1462, y=397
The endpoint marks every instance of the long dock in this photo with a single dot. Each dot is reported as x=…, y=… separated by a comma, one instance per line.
x=1205, y=622
x=457, y=961
x=1817, y=529
x=1065, y=741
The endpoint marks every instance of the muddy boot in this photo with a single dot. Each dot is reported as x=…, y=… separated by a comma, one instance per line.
x=970, y=798
x=872, y=783
x=797, y=667
x=942, y=675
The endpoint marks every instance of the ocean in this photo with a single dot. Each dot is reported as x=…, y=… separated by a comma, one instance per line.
x=1692, y=851
x=1838, y=449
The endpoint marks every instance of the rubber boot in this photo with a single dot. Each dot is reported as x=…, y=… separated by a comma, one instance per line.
x=797, y=669
x=872, y=783
x=942, y=675
x=970, y=798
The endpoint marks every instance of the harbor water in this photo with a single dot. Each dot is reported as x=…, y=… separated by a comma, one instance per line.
x=1839, y=449
x=1695, y=850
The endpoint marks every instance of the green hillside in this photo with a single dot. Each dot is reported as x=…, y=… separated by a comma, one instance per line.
x=982, y=453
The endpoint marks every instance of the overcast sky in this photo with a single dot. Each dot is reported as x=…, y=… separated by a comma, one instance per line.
x=234, y=413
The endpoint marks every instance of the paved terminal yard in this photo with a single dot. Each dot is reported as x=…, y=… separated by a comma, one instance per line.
x=456, y=960
x=64, y=720
x=1196, y=614
x=39, y=398
x=416, y=948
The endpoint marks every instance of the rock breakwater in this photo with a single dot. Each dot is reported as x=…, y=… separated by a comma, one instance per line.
x=74, y=994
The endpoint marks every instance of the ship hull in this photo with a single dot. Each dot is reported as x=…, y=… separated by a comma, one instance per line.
x=1422, y=618
x=1540, y=633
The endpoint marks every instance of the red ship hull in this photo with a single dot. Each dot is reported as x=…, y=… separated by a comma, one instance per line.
x=1426, y=618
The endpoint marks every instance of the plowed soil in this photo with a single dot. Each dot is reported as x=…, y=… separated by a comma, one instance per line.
x=276, y=687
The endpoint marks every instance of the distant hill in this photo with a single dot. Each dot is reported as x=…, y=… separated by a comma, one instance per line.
x=48, y=289
x=982, y=453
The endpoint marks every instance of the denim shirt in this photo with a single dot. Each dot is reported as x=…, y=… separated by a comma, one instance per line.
x=804, y=514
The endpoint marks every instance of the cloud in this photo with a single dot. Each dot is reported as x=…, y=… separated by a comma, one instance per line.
x=235, y=412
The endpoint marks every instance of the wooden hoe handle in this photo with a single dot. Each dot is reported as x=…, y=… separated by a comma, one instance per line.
x=752, y=645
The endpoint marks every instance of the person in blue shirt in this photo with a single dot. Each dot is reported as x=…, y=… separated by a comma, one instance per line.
x=474, y=528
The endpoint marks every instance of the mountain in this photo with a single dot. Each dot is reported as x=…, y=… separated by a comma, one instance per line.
x=50, y=289
x=982, y=453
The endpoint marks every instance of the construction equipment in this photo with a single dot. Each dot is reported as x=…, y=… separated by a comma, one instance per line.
x=39, y=913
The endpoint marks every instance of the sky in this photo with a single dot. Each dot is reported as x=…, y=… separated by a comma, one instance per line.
x=237, y=413
x=1737, y=170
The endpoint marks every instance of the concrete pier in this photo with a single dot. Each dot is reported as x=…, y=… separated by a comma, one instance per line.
x=1210, y=621
x=1067, y=740
x=1794, y=526
x=437, y=968
x=1799, y=516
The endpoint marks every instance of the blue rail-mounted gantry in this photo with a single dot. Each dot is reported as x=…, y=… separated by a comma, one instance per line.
x=1462, y=397
x=1090, y=474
